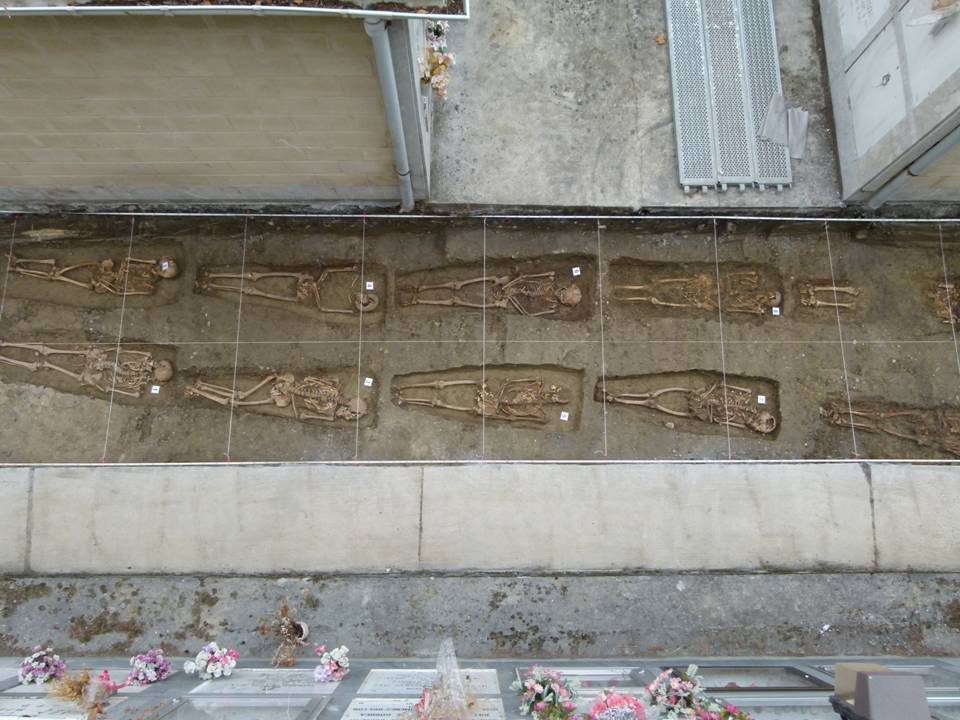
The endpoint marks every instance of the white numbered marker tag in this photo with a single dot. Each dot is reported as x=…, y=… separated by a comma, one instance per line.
x=564, y=416
x=761, y=399
x=576, y=272
x=154, y=389
x=369, y=286
x=164, y=265
x=776, y=311
x=368, y=382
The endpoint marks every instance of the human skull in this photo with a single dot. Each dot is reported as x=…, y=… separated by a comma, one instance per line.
x=167, y=268
x=366, y=302
x=556, y=394
x=280, y=392
x=163, y=371
x=570, y=295
x=358, y=406
x=764, y=422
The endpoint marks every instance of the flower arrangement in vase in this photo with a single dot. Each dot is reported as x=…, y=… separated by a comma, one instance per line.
x=291, y=633
x=545, y=695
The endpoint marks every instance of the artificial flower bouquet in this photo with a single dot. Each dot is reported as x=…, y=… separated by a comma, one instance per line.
x=212, y=662
x=680, y=696
x=334, y=664
x=545, y=695
x=716, y=710
x=616, y=706
x=40, y=667
x=436, y=63
x=148, y=668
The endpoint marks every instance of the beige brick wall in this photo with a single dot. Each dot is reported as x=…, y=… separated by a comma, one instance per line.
x=173, y=108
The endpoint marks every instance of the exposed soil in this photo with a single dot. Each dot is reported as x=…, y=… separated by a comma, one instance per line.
x=895, y=345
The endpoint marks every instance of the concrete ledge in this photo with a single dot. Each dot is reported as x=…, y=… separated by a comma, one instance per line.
x=653, y=517
x=918, y=516
x=309, y=519
x=14, y=512
x=222, y=519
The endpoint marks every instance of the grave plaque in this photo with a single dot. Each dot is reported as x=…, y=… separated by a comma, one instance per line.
x=15, y=708
x=265, y=682
x=412, y=682
x=395, y=708
x=241, y=709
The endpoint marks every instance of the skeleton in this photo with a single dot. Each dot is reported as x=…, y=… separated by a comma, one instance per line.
x=946, y=301
x=103, y=368
x=937, y=428
x=532, y=295
x=291, y=633
x=717, y=403
x=130, y=276
x=301, y=288
x=515, y=400
x=741, y=293
x=312, y=398
x=810, y=294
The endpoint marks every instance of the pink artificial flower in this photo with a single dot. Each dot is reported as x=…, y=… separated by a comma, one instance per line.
x=109, y=685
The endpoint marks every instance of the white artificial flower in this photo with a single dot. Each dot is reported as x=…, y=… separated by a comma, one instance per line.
x=189, y=667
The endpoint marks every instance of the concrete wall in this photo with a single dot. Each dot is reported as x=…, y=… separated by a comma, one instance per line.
x=191, y=108
x=566, y=616
x=552, y=518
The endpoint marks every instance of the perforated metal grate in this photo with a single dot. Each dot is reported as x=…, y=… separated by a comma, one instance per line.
x=725, y=68
x=729, y=89
x=691, y=94
x=763, y=70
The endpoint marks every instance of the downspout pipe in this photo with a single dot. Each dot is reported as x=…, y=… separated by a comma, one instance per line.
x=377, y=30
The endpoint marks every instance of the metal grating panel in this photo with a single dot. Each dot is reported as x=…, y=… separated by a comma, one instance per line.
x=693, y=122
x=730, y=93
x=725, y=67
x=763, y=70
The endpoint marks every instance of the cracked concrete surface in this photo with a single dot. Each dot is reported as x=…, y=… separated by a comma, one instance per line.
x=569, y=103
x=571, y=616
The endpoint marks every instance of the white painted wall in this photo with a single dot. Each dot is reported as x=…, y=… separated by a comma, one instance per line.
x=553, y=518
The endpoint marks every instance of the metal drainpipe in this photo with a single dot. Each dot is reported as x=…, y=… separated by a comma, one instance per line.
x=377, y=30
